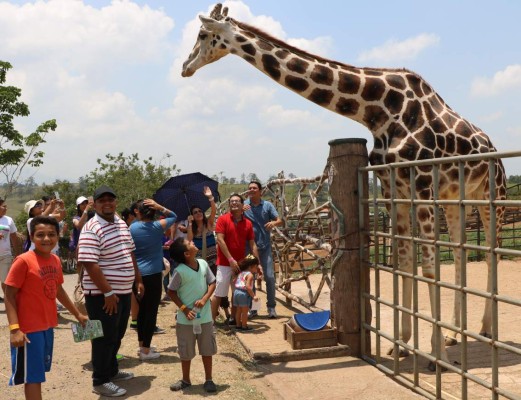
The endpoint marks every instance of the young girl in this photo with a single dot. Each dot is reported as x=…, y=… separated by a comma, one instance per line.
x=243, y=292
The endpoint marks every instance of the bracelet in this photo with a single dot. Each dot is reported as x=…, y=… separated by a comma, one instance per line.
x=164, y=210
x=14, y=327
x=210, y=199
x=183, y=307
x=108, y=294
x=231, y=259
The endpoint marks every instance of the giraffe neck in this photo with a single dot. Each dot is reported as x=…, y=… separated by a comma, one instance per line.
x=341, y=88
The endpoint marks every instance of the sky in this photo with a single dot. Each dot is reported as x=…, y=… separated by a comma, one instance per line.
x=109, y=72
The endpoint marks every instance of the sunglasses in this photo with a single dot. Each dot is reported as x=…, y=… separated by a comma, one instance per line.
x=196, y=212
x=38, y=205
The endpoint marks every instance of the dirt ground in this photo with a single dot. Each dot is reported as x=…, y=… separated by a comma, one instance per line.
x=234, y=374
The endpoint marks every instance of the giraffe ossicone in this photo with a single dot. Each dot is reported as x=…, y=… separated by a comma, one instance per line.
x=408, y=120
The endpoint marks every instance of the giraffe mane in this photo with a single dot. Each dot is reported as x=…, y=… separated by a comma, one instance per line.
x=304, y=53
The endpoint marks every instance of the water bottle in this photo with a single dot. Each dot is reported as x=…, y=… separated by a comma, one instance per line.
x=196, y=322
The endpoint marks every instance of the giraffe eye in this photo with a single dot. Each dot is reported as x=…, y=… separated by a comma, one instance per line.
x=203, y=36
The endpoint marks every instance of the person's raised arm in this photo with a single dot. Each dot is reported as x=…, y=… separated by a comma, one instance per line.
x=213, y=208
x=78, y=223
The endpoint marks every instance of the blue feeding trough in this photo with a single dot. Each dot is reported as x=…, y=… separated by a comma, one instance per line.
x=314, y=321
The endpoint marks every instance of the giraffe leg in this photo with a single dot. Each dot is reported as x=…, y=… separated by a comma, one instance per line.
x=426, y=225
x=453, y=223
x=405, y=264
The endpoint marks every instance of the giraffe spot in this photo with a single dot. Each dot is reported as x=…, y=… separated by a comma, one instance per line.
x=348, y=83
x=214, y=42
x=427, y=138
x=375, y=117
x=412, y=117
x=396, y=134
x=427, y=228
x=322, y=75
x=249, y=34
x=222, y=46
x=226, y=41
x=415, y=84
x=396, y=81
x=449, y=119
x=426, y=89
x=440, y=142
x=333, y=66
x=250, y=59
x=375, y=158
x=463, y=129
x=378, y=143
x=437, y=103
x=218, y=37
x=430, y=115
x=240, y=39
x=423, y=182
x=373, y=72
x=249, y=49
x=409, y=150
x=409, y=94
x=404, y=174
x=425, y=154
x=296, y=83
x=373, y=89
x=437, y=125
x=271, y=66
x=390, y=158
x=394, y=101
x=297, y=65
x=265, y=45
x=282, y=53
x=321, y=97
x=462, y=145
x=450, y=140
x=438, y=153
x=347, y=106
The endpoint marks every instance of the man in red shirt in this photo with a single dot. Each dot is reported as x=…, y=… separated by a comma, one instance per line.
x=233, y=232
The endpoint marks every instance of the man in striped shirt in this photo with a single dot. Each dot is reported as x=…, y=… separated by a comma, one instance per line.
x=106, y=251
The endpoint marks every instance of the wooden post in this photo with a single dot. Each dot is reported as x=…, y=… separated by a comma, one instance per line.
x=347, y=276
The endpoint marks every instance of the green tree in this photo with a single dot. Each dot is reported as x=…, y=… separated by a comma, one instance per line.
x=131, y=178
x=17, y=150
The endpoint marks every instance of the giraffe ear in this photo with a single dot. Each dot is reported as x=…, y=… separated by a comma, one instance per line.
x=210, y=24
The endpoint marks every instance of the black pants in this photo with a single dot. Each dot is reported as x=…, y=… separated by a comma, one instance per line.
x=104, y=349
x=148, y=307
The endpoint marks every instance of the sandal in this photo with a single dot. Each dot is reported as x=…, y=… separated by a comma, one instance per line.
x=210, y=387
x=179, y=385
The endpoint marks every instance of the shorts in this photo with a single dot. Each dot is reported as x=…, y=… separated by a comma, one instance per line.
x=241, y=298
x=223, y=279
x=5, y=265
x=30, y=362
x=186, y=339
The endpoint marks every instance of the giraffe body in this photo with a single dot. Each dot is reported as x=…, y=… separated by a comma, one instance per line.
x=408, y=120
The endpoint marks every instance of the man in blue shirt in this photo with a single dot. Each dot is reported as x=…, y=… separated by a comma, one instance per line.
x=264, y=217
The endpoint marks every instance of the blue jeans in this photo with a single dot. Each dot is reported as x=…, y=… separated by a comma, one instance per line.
x=266, y=260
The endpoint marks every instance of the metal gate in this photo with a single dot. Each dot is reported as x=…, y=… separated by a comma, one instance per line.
x=479, y=367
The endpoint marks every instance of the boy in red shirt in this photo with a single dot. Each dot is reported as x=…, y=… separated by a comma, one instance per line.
x=33, y=284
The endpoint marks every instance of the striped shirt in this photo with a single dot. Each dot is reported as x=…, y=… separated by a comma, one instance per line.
x=110, y=245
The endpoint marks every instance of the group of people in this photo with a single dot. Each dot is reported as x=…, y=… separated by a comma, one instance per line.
x=122, y=262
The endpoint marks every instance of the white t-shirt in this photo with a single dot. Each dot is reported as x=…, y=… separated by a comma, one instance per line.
x=7, y=227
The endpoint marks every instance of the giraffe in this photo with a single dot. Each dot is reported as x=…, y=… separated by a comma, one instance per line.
x=408, y=120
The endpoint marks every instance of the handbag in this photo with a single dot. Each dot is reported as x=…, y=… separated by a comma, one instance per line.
x=78, y=297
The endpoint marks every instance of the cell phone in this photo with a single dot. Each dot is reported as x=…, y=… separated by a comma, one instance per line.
x=91, y=199
x=57, y=195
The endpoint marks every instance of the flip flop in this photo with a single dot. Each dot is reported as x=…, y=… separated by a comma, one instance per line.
x=179, y=385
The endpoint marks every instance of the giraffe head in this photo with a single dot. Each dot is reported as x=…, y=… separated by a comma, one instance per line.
x=210, y=45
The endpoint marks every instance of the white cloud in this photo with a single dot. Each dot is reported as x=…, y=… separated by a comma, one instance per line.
x=502, y=81
x=393, y=50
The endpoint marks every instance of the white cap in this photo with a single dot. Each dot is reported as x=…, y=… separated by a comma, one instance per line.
x=30, y=205
x=80, y=200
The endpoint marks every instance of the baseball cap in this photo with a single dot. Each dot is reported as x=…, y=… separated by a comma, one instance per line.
x=103, y=189
x=80, y=200
x=30, y=205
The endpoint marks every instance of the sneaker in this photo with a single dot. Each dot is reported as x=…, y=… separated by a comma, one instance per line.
x=252, y=314
x=159, y=331
x=1, y=299
x=109, y=389
x=149, y=356
x=272, y=313
x=152, y=349
x=119, y=357
x=210, y=387
x=133, y=325
x=122, y=376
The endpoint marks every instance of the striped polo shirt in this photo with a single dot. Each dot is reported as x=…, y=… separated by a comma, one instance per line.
x=110, y=245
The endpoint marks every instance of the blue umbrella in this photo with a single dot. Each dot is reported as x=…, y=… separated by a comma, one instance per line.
x=181, y=192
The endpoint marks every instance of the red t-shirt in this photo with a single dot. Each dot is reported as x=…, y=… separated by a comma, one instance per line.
x=37, y=279
x=235, y=236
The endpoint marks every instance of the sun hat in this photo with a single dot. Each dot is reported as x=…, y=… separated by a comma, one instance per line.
x=80, y=200
x=30, y=205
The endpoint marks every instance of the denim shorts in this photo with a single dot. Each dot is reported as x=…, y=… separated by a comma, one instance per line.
x=241, y=298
